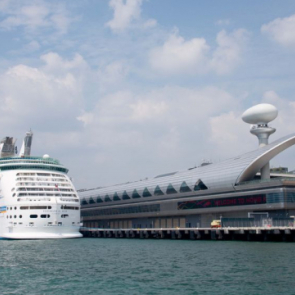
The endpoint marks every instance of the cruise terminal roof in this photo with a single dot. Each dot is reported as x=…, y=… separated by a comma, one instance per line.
x=222, y=175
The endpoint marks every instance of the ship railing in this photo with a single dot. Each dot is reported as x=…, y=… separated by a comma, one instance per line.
x=33, y=159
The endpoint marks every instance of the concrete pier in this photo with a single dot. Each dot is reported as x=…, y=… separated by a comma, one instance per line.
x=278, y=234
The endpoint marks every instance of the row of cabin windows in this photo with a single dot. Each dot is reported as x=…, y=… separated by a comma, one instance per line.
x=184, y=188
x=47, y=216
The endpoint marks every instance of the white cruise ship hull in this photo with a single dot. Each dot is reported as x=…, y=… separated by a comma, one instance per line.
x=38, y=204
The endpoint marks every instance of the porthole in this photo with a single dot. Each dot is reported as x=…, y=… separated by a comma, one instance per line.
x=10, y=216
x=20, y=216
x=15, y=208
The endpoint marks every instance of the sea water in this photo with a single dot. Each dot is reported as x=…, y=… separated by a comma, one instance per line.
x=130, y=266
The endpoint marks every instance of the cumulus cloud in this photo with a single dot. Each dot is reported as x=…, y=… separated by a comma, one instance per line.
x=32, y=96
x=34, y=15
x=230, y=134
x=161, y=128
x=227, y=55
x=125, y=11
x=177, y=56
x=112, y=75
x=281, y=30
x=118, y=116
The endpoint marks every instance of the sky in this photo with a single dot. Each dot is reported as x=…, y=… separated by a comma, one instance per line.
x=121, y=90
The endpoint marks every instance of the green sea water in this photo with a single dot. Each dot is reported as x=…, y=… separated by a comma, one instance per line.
x=128, y=266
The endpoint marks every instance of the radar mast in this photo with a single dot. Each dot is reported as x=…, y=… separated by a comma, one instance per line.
x=259, y=116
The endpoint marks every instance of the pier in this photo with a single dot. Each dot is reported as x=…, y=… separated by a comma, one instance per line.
x=278, y=234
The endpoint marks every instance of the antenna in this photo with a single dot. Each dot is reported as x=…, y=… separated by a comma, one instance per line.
x=259, y=116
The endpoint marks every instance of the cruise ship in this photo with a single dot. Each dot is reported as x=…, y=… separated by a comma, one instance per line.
x=37, y=198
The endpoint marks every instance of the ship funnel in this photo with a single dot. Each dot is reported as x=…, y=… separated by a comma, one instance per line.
x=7, y=147
x=26, y=146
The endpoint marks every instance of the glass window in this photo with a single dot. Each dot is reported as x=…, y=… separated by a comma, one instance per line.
x=116, y=197
x=99, y=200
x=135, y=194
x=184, y=188
x=33, y=216
x=146, y=193
x=200, y=186
x=125, y=196
x=84, y=202
x=158, y=191
x=170, y=189
x=107, y=198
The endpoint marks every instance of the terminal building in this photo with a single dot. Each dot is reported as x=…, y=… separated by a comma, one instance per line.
x=242, y=189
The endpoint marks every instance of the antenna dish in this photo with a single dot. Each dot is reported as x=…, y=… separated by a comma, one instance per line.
x=260, y=114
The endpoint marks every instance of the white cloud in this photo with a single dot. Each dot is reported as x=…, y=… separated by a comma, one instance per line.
x=150, y=23
x=223, y=22
x=159, y=109
x=32, y=46
x=227, y=55
x=143, y=110
x=31, y=96
x=125, y=11
x=178, y=56
x=152, y=131
x=281, y=30
x=112, y=75
x=35, y=15
x=230, y=135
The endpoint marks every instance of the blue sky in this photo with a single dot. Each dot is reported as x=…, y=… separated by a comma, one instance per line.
x=121, y=90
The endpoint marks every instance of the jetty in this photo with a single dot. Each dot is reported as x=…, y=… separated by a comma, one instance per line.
x=278, y=234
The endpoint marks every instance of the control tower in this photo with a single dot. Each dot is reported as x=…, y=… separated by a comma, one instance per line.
x=259, y=116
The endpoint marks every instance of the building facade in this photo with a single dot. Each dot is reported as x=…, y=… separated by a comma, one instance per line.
x=193, y=198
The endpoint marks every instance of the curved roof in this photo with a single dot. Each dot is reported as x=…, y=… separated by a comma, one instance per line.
x=222, y=175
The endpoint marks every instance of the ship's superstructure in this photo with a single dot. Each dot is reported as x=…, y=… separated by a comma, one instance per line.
x=37, y=198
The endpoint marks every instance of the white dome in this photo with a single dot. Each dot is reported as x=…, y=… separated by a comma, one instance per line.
x=260, y=114
x=46, y=156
